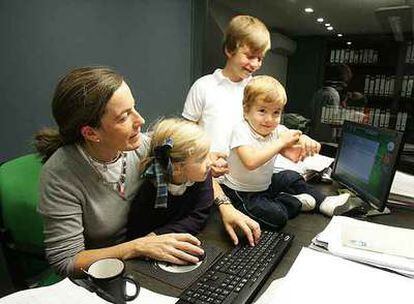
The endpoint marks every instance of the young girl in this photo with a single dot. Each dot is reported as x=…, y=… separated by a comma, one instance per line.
x=177, y=192
x=269, y=198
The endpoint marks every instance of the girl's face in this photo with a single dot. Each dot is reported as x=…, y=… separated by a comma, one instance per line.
x=120, y=128
x=263, y=117
x=195, y=169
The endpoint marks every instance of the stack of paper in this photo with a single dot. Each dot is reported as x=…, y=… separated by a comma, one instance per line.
x=378, y=245
x=402, y=191
x=321, y=278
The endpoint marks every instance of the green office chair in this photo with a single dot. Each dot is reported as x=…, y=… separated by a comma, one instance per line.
x=21, y=226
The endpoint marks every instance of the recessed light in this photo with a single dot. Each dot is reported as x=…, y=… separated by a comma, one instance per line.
x=348, y=42
x=320, y=20
x=327, y=24
x=308, y=10
x=339, y=35
x=329, y=28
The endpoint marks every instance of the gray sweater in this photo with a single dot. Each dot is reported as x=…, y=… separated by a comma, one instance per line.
x=79, y=211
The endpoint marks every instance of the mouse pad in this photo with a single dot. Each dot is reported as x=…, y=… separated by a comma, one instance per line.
x=178, y=276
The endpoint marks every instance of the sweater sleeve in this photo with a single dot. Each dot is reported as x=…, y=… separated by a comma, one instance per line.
x=60, y=206
x=201, y=199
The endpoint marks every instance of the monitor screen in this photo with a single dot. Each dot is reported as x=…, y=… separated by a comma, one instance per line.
x=366, y=160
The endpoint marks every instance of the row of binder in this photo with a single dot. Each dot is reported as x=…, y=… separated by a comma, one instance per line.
x=334, y=115
x=380, y=85
x=365, y=56
x=409, y=55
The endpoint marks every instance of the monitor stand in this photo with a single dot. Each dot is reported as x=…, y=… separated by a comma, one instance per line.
x=362, y=209
x=374, y=212
x=369, y=210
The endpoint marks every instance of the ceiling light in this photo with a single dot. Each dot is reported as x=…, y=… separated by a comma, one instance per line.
x=327, y=24
x=339, y=35
x=329, y=28
x=319, y=20
x=348, y=42
x=308, y=10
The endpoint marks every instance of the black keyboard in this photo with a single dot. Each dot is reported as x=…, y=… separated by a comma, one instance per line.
x=237, y=276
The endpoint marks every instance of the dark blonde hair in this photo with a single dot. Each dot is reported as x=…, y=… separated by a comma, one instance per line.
x=189, y=140
x=80, y=99
x=263, y=89
x=246, y=30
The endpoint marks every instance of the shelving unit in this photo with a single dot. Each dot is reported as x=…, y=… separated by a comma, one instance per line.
x=383, y=71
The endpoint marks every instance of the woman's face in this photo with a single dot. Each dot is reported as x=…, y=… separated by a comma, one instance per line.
x=120, y=128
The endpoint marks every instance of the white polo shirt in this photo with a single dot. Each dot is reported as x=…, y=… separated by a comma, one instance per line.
x=239, y=177
x=215, y=102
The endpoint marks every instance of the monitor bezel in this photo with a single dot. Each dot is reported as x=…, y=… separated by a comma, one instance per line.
x=378, y=204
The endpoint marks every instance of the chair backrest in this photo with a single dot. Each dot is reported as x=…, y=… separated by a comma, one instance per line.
x=21, y=226
x=19, y=197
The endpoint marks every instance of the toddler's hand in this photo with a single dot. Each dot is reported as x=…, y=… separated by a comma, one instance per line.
x=294, y=153
x=289, y=137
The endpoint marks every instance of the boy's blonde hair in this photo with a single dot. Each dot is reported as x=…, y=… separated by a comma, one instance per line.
x=263, y=89
x=246, y=30
x=189, y=140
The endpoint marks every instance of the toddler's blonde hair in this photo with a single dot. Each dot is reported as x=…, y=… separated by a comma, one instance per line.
x=263, y=89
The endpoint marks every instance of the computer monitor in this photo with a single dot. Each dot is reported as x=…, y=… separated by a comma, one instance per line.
x=366, y=160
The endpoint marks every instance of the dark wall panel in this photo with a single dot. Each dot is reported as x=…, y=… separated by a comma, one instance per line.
x=149, y=42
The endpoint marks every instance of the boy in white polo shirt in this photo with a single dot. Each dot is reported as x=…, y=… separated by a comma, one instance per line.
x=215, y=100
x=271, y=199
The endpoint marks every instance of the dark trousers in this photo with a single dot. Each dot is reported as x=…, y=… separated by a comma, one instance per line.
x=273, y=207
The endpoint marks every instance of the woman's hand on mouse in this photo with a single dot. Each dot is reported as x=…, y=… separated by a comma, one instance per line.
x=176, y=248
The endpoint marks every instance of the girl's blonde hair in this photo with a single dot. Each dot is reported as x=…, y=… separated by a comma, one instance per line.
x=264, y=89
x=246, y=30
x=189, y=140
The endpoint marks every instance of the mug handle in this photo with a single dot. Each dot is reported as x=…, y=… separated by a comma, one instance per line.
x=129, y=278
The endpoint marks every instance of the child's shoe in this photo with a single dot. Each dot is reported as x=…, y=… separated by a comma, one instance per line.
x=308, y=201
x=336, y=204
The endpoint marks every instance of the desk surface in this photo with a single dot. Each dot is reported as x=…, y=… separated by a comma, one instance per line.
x=304, y=227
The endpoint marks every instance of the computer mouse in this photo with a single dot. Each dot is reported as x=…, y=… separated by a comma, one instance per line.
x=202, y=256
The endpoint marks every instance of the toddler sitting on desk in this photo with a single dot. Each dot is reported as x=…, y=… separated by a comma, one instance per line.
x=271, y=199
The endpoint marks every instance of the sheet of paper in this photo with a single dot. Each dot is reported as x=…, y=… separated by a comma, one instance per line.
x=316, y=162
x=341, y=228
x=66, y=292
x=321, y=278
x=403, y=184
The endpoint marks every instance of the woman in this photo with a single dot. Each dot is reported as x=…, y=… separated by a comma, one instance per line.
x=90, y=177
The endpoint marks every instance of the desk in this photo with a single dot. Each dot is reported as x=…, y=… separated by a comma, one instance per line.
x=304, y=227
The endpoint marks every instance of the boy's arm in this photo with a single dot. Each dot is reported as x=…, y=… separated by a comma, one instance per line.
x=253, y=158
x=194, y=103
x=307, y=145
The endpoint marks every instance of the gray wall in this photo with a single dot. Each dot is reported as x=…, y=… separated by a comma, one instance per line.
x=149, y=42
